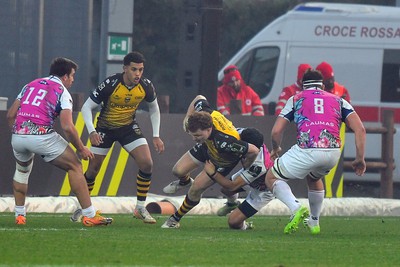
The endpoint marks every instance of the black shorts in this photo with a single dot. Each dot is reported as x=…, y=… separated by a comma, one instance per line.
x=124, y=135
x=247, y=209
x=199, y=152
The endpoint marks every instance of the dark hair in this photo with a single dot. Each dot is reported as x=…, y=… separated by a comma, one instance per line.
x=61, y=66
x=199, y=121
x=312, y=78
x=135, y=57
x=252, y=136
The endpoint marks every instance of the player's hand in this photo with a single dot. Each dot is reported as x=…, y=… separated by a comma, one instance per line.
x=209, y=167
x=95, y=138
x=158, y=145
x=275, y=153
x=85, y=153
x=359, y=166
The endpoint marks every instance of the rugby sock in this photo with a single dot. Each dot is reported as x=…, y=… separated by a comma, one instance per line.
x=184, y=180
x=20, y=210
x=89, y=212
x=143, y=181
x=315, y=199
x=89, y=182
x=283, y=192
x=186, y=206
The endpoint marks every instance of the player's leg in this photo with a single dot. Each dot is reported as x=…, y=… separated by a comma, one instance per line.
x=140, y=152
x=190, y=161
x=324, y=160
x=24, y=162
x=253, y=203
x=200, y=184
x=231, y=197
x=232, y=202
x=237, y=219
x=62, y=156
x=316, y=195
x=20, y=189
x=100, y=152
x=93, y=169
x=291, y=165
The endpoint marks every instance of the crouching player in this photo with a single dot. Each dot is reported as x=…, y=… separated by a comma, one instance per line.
x=251, y=179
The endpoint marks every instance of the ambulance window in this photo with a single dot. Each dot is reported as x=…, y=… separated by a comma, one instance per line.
x=258, y=68
x=391, y=76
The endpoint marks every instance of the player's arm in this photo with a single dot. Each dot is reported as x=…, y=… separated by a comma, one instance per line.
x=154, y=111
x=87, y=115
x=354, y=122
x=250, y=156
x=12, y=113
x=191, y=109
x=71, y=134
x=228, y=184
x=277, y=135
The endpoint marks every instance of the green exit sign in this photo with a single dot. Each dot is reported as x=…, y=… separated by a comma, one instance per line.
x=118, y=47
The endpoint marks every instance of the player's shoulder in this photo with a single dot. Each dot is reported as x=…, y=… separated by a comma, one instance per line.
x=146, y=83
x=111, y=81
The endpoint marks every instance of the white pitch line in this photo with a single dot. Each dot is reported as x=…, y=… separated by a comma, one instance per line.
x=40, y=229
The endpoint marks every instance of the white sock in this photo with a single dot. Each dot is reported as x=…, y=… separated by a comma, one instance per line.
x=20, y=210
x=315, y=199
x=89, y=212
x=283, y=192
x=232, y=199
x=244, y=226
x=140, y=204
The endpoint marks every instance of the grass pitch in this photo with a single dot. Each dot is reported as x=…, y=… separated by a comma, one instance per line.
x=52, y=240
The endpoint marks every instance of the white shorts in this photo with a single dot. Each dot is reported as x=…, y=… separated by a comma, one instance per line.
x=259, y=199
x=297, y=163
x=48, y=146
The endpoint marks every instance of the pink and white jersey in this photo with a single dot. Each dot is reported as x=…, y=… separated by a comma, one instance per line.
x=318, y=116
x=40, y=103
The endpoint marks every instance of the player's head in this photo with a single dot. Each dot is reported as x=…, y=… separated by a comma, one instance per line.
x=64, y=69
x=135, y=57
x=252, y=136
x=61, y=66
x=133, y=68
x=232, y=77
x=199, y=126
x=302, y=68
x=312, y=79
x=327, y=73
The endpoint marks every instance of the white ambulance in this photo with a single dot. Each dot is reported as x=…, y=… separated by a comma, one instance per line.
x=361, y=42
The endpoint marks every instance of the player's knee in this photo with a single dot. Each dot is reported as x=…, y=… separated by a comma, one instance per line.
x=234, y=223
x=178, y=171
x=22, y=173
x=146, y=167
x=194, y=193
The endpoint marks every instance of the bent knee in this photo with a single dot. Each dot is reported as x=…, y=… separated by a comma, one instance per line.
x=235, y=224
x=178, y=171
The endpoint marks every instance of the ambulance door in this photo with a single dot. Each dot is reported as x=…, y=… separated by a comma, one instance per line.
x=260, y=69
x=391, y=76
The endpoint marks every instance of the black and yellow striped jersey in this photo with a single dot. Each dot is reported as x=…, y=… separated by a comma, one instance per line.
x=119, y=103
x=224, y=146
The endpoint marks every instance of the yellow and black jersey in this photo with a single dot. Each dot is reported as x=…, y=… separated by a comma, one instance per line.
x=119, y=103
x=224, y=146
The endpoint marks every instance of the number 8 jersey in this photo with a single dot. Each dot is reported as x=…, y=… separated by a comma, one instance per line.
x=318, y=116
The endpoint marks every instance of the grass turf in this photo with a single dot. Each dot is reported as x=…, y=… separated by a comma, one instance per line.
x=51, y=239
